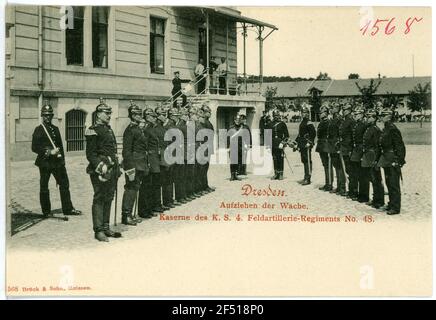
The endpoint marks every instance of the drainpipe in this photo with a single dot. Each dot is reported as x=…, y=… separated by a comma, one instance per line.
x=40, y=79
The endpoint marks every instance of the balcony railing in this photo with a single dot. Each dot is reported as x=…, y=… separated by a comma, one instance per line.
x=233, y=83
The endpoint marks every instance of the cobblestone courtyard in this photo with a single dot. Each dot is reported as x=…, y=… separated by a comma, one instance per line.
x=226, y=258
x=77, y=232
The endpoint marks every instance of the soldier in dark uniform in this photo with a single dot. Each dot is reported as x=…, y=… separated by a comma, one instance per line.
x=166, y=177
x=199, y=167
x=237, y=136
x=176, y=92
x=51, y=161
x=362, y=175
x=392, y=158
x=304, y=143
x=191, y=162
x=346, y=147
x=208, y=125
x=149, y=203
x=280, y=136
x=179, y=168
x=263, y=124
x=334, y=150
x=135, y=163
x=322, y=148
x=101, y=152
x=243, y=166
x=370, y=149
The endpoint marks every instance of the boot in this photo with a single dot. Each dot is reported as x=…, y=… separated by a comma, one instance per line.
x=128, y=220
x=280, y=175
x=100, y=236
x=276, y=175
x=113, y=234
x=305, y=182
x=234, y=177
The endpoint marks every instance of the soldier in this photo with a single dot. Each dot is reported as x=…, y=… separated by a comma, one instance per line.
x=208, y=125
x=322, y=149
x=135, y=163
x=179, y=168
x=235, y=141
x=101, y=152
x=263, y=124
x=47, y=144
x=357, y=172
x=149, y=203
x=280, y=136
x=189, y=154
x=334, y=150
x=192, y=187
x=166, y=176
x=346, y=147
x=304, y=143
x=370, y=155
x=393, y=153
x=243, y=166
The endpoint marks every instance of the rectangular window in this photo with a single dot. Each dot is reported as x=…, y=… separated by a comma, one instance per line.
x=100, y=18
x=74, y=38
x=157, y=45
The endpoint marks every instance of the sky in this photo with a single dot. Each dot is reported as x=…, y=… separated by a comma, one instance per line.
x=328, y=39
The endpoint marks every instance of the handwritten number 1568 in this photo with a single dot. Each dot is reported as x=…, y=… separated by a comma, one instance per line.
x=387, y=25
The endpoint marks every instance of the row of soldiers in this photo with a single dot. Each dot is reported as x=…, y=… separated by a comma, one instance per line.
x=352, y=148
x=151, y=182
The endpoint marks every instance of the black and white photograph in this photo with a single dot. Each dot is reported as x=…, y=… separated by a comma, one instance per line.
x=220, y=151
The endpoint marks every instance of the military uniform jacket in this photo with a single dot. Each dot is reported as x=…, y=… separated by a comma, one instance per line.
x=306, y=134
x=181, y=125
x=135, y=145
x=169, y=124
x=391, y=146
x=359, y=129
x=191, y=146
x=101, y=146
x=41, y=145
x=346, y=135
x=333, y=135
x=279, y=133
x=322, y=131
x=370, y=148
x=153, y=147
x=237, y=136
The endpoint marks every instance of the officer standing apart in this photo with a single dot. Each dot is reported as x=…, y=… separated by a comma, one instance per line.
x=101, y=152
x=370, y=155
x=47, y=144
x=393, y=153
x=246, y=147
x=235, y=140
x=135, y=164
x=176, y=92
x=322, y=149
x=280, y=136
x=305, y=141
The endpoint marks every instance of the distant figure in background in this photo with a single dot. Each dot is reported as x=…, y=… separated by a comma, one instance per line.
x=213, y=66
x=177, y=90
x=200, y=77
x=222, y=76
x=263, y=123
x=243, y=166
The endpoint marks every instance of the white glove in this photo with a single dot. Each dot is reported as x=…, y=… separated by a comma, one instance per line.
x=54, y=151
x=104, y=169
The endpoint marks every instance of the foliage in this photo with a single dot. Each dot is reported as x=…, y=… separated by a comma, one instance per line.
x=367, y=92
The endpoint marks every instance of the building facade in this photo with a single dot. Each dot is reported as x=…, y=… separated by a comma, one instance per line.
x=72, y=56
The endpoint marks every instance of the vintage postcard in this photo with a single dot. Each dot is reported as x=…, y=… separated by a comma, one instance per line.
x=218, y=151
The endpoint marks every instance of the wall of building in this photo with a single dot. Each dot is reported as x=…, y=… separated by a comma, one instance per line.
x=127, y=77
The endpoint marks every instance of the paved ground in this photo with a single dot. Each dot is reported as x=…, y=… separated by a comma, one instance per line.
x=77, y=233
x=390, y=256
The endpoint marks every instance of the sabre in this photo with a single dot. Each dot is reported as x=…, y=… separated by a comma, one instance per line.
x=329, y=169
x=51, y=140
x=135, y=208
x=287, y=161
x=308, y=161
x=343, y=167
x=116, y=201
